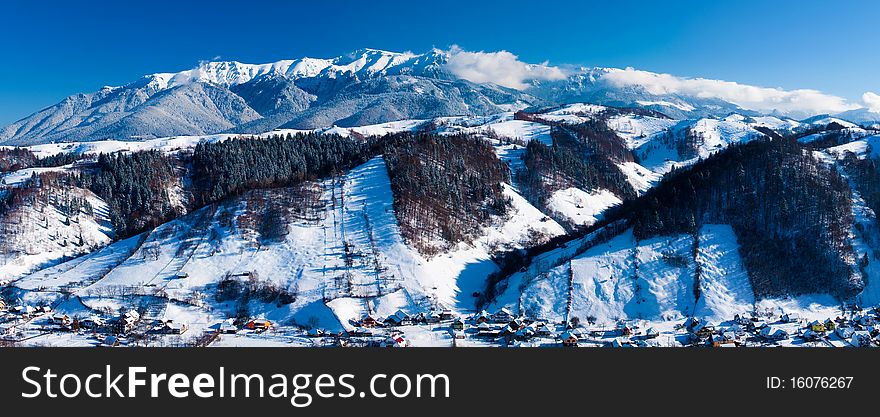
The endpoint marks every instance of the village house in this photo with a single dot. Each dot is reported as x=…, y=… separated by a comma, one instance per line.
x=360, y=332
x=503, y=316
x=110, y=341
x=174, y=327
x=399, y=318
x=446, y=315
x=525, y=333
x=569, y=339
x=128, y=320
x=517, y=324
x=702, y=330
x=722, y=338
x=395, y=340
x=24, y=311
x=369, y=321
x=542, y=329
x=651, y=333
x=488, y=331
x=844, y=332
x=259, y=324
x=774, y=333
x=92, y=322
x=227, y=328
x=810, y=335
x=420, y=318
x=756, y=326
x=60, y=319
x=860, y=338
x=829, y=325
x=816, y=326
x=864, y=320
x=690, y=323
x=482, y=317
x=456, y=334
x=617, y=343
x=741, y=319
x=458, y=324
x=432, y=318
x=790, y=318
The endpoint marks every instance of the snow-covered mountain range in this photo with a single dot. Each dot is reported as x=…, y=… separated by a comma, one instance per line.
x=364, y=87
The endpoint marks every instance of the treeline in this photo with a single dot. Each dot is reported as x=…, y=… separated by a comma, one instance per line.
x=792, y=214
x=136, y=188
x=865, y=174
x=227, y=168
x=14, y=159
x=145, y=189
x=575, y=159
x=445, y=187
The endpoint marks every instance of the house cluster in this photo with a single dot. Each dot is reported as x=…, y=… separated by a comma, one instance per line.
x=504, y=325
x=169, y=326
x=861, y=329
x=401, y=318
x=22, y=311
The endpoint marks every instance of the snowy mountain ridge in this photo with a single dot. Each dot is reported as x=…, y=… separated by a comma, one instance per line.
x=370, y=86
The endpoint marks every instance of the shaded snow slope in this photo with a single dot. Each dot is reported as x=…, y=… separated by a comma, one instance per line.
x=652, y=279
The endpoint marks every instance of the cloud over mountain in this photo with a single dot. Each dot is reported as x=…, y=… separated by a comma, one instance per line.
x=502, y=68
x=872, y=101
x=803, y=101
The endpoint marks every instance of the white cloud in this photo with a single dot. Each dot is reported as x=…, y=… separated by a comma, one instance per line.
x=872, y=101
x=502, y=68
x=802, y=101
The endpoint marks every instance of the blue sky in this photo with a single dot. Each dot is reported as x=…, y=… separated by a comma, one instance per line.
x=53, y=49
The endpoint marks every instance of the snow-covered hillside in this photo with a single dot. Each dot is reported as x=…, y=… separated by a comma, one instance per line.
x=653, y=280
x=48, y=227
x=690, y=140
x=342, y=261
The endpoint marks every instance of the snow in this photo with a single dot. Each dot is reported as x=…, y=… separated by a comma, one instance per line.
x=177, y=143
x=862, y=148
x=43, y=236
x=522, y=130
x=637, y=129
x=229, y=73
x=18, y=178
x=580, y=207
x=823, y=121
x=780, y=125
x=660, y=156
x=680, y=106
x=375, y=130
x=638, y=176
x=472, y=263
x=183, y=260
x=578, y=108
x=651, y=279
x=724, y=282
x=81, y=269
